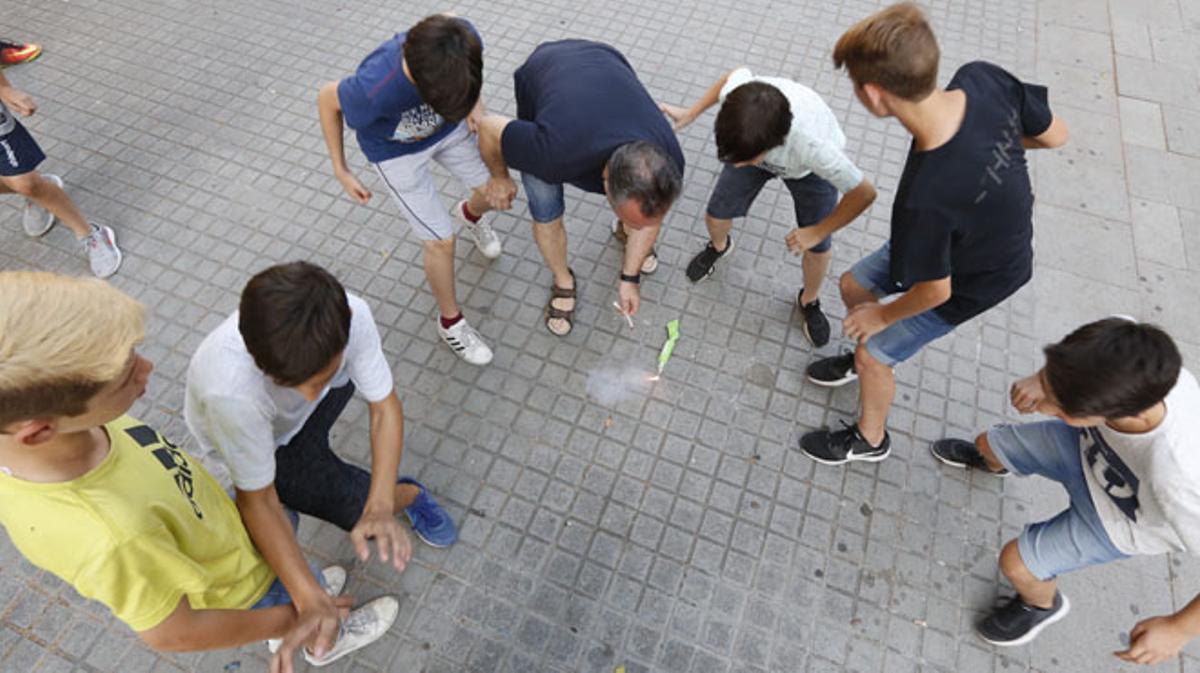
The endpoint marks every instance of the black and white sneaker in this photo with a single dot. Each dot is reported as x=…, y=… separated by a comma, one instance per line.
x=833, y=372
x=1016, y=622
x=815, y=324
x=961, y=453
x=466, y=343
x=703, y=264
x=844, y=446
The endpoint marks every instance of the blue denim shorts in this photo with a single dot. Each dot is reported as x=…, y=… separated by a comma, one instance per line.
x=902, y=340
x=813, y=197
x=546, y=202
x=1074, y=538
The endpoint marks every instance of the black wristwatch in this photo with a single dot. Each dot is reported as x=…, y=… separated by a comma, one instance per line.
x=635, y=278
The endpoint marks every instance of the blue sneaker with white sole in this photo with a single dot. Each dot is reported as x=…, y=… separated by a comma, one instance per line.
x=429, y=520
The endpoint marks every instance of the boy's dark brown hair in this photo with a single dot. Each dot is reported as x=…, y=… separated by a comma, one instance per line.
x=894, y=49
x=1114, y=368
x=445, y=58
x=295, y=320
x=754, y=118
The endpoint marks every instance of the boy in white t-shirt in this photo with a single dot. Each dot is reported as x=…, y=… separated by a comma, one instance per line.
x=771, y=127
x=264, y=389
x=1126, y=446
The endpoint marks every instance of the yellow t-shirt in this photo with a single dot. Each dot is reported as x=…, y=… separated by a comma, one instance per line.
x=146, y=527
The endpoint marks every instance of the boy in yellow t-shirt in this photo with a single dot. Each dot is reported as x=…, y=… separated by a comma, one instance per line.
x=106, y=503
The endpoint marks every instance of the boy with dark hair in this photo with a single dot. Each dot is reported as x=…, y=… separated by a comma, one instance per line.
x=45, y=200
x=264, y=389
x=1124, y=447
x=961, y=239
x=773, y=127
x=413, y=101
x=111, y=507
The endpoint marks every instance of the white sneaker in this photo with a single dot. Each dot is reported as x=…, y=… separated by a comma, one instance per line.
x=650, y=264
x=335, y=581
x=36, y=219
x=102, y=251
x=364, y=626
x=466, y=342
x=485, y=237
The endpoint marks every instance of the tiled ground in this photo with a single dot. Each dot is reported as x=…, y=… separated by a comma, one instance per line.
x=675, y=530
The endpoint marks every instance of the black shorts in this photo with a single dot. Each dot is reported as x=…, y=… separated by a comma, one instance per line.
x=813, y=197
x=19, y=152
x=310, y=479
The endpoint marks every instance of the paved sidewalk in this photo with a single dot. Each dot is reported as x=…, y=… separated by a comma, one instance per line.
x=675, y=530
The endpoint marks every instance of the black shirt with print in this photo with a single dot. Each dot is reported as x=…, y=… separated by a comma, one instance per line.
x=964, y=209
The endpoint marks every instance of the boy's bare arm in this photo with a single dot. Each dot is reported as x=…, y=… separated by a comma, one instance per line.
x=188, y=630
x=684, y=116
x=1055, y=135
x=1157, y=639
x=330, y=111
x=851, y=205
x=18, y=101
x=272, y=534
x=500, y=189
x=869, y=319
x=378, y=519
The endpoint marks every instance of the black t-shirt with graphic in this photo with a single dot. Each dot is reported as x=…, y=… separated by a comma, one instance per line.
x=964, y=209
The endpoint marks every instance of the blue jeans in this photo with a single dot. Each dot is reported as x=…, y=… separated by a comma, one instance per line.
x=546, y=202
x=1075, y=538
x=901, y=340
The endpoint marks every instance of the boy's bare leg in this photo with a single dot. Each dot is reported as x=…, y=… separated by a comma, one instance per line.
x=1035, y=592
x=854, y=294
x=49, y=196
x=718, y=231
x=404, y=496
x=989, y=457
x=877, y=388
x=439, y=271
x=814, y=265
x=477, y=203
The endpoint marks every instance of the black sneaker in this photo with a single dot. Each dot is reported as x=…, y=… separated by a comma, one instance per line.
x=843, y=446
x=816, y=325
x=702, y=265
x=833, y=372
x=1016, y=622
x=961, y=453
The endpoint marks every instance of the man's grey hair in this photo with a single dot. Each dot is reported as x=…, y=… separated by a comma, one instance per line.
x=644, y=171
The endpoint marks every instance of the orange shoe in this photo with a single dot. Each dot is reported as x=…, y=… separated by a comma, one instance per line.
x=12, y=53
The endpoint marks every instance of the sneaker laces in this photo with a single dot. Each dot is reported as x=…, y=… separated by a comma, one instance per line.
x=358, y=623
x=424, y=509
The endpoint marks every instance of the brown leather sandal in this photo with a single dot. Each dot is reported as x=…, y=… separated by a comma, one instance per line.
x=554, y=313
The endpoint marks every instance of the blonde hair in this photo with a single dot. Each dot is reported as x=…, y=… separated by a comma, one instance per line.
x=894, y=49
x=61, y=340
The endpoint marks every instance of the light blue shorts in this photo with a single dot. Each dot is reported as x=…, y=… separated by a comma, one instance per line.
x=546, y=203
x=901, y=340
x=1074, y=538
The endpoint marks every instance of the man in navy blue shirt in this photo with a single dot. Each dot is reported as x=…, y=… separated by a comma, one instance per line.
x=584, y=119
x=414, y=100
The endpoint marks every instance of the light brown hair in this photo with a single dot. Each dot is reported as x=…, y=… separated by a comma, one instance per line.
x=894, y=49
x=61, y=340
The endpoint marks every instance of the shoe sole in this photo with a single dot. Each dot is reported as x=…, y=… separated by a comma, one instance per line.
x=834, y=384
x=964, y=466
x=422, y=538
x=1033, y=633
x=863, y=459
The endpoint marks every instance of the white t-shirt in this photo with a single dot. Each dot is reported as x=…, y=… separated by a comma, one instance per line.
x=233, y=407
x=815, y=142
x=1146, y=487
